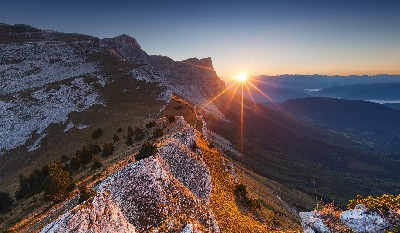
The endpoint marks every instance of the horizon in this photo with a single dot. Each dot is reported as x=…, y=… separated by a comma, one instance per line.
x=259, y=38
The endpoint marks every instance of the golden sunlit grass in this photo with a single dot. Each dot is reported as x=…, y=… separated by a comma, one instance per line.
x=223, y=202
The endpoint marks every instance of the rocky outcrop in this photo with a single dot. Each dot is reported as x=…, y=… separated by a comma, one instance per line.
x=193, y=79
x=360, y=220
x=126, y=47
x=102, y=215
x=169, y=191
x=312, y=222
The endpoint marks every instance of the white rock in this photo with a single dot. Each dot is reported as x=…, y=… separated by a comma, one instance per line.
x=102, y=215
x=312, y=222
x=361, y=221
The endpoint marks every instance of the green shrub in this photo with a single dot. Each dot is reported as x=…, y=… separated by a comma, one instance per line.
x=119, y=130
x=146, y=150
x=382, y=204
x=6, y=202
x=129, y=140
x=85, y=156
x=194, y=147
x=75, y=163
x=96, y=164
x=115, y=138
x=242, y=194
x=35, y=183
x=85, y=194
x=130, y=131
x=94, y=149
x=97, y=133
x=138, y=134
x=60, y=180
x=108, y=149
x=64, y=158
x=171, y=118
x=151, y=124
x=158, y=133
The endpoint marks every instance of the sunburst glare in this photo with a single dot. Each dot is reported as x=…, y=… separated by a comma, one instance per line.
x=242, y=77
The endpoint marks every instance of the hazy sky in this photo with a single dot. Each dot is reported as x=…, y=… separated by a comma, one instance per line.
x=258, y=37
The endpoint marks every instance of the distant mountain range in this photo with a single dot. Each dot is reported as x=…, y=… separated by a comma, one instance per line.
x=375, y=91
x=284, y=87
x=362, y=119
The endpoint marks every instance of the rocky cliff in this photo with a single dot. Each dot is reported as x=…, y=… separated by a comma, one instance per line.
x=169, y=191
x=192, y=79
x=47, y=75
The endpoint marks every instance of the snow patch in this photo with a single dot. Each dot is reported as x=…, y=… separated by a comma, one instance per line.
x=20, y=116
x=69, y=126
x=36, y=145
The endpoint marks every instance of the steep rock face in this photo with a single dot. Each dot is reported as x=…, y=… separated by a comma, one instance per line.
x=161, y=192
x=46, y=75
x=102, y=215
x=127, y=47
x=193, y=79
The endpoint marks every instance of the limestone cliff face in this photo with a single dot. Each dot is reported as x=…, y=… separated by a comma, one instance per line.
x=192, y=79
x=126, y=47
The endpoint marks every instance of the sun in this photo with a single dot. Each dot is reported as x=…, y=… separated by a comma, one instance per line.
x=242, y=77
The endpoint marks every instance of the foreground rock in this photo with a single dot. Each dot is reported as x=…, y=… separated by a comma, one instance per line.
x=360, y=220
x=169, y=191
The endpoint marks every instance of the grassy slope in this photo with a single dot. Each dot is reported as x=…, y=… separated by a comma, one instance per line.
x=279, y=148
x=230, y=214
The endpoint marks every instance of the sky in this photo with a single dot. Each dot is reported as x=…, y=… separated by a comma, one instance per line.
x=266, y=37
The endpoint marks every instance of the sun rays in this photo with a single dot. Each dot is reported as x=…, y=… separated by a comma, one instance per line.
x=244, y=88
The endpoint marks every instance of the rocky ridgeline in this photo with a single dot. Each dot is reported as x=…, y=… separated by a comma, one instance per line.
x=359, y=220
x=167, y=192
x=193, y=79
x=47, y=75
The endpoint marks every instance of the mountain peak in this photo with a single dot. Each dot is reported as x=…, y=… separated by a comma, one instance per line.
x=204, y=62
x=127, y=47
x=126, y=39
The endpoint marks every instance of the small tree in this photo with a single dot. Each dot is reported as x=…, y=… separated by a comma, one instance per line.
x=64, y=158
x=115, y=138
x=6, y=202
x=129, y=141
x=108, y=149
x=146, y=150
x=138, y=134
x=58, y=183
x=241, y=191
x=151, y=124
x=85, y=194
x=75, y=163
x=158, y=133
x=119, y=130
x=85, y=156
x=97, y=133
x=171, y=118
x=130, y=131
x=94, y=149
x=194, y=147
x=96, y=164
